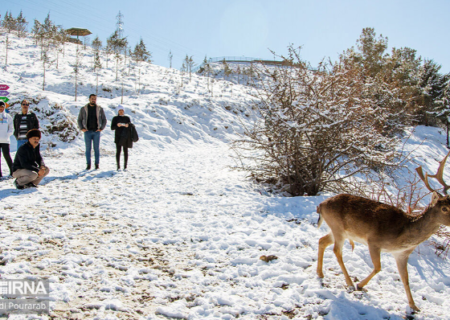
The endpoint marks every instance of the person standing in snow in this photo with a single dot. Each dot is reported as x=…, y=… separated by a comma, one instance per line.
x=92, y=121
x=23, y=122
x=122, y=137
x=6, y=130
x=29, y=168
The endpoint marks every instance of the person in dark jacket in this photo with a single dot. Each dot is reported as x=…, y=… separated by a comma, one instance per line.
x=23, y=122
x=92, y=121
x=122, y=137
x=29, y=168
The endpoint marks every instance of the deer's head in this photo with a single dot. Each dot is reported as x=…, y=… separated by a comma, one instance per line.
x=441, y=207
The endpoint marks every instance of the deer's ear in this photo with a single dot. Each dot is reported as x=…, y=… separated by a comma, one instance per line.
x=434, y=198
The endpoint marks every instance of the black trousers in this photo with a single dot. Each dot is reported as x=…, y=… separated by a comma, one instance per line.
x=4, y=148
x=125, y=155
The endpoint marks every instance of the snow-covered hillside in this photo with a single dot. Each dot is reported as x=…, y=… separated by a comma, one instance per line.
x=166, y=106
x=180, y=235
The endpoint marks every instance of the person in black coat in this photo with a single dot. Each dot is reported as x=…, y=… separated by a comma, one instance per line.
x=29, y=167
x=122, y=138
x=23, y=122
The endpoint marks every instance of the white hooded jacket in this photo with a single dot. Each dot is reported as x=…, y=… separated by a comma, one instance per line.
x=6, y=127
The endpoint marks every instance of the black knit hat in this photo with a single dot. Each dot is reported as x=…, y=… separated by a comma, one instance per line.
x=33, y=133
x=2, y=103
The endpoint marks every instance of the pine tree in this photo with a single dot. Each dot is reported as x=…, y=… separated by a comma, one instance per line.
x=170, y=56
x=108, y=51
x=9, y=24
x=97, y=45
x=191, y=65
x=57, y=41
x=36, y=31
x=117, y=45
x=188, y=65
x=21, y=25
x=433, y=92
x=207, y=71
x=238, y=71
x=141, y=54
x=48, y=24
x=226, y=68
x=76, y=69
x=63, y=38
x=45, y=63
x=391, y=80
x=443, y=111
x=183, y=69
x=130, y=53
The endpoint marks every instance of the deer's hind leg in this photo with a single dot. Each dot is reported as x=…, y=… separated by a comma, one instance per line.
x=376, y=260
x=324, y=242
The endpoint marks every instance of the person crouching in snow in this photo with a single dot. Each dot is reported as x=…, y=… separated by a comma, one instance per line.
x=122, y=136
x=28, y=167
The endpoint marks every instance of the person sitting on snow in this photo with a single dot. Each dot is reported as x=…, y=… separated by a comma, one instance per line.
x=28, y=167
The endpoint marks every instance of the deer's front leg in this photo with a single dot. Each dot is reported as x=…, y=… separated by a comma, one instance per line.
x=402, y=265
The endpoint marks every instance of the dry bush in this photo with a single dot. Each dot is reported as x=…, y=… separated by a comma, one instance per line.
x=315, y=128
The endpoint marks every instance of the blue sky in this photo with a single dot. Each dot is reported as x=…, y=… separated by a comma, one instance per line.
x=215, y=28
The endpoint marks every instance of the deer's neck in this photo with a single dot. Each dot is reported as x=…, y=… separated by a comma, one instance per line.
x=424, y=226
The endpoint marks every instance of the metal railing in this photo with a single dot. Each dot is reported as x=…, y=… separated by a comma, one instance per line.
x=228, y=59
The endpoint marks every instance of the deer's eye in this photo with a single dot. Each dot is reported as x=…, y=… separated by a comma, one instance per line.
x=445, y=209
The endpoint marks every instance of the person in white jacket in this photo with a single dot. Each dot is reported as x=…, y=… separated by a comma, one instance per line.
x=6, y=130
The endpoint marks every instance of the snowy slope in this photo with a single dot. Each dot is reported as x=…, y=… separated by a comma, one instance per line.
x=168, y=107
x=180, y=235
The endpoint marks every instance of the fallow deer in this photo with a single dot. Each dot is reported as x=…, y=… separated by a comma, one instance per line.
x=383, y=228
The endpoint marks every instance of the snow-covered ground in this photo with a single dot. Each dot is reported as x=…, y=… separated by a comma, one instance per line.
x=180, y=234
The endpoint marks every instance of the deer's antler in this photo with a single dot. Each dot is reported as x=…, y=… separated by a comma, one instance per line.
x=439, y=176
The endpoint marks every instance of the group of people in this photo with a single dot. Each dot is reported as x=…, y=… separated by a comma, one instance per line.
x=29, y=168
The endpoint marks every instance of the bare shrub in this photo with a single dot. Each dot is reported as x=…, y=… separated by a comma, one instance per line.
x=315, y=128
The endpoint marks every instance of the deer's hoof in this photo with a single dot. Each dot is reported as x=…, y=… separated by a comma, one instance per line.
x=350, y=289
x=414, y=308
x=360, y=288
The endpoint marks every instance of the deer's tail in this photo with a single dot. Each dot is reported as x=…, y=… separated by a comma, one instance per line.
x=319, y=222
